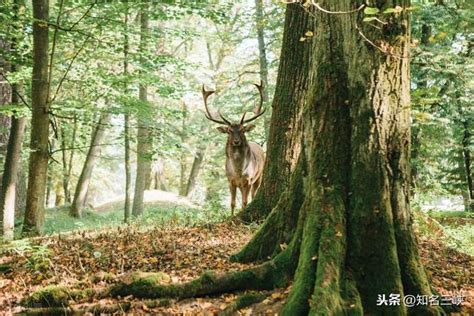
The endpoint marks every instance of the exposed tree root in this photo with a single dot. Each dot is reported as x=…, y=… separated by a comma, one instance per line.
x=280, y=225
x=269, y=275
x=243, y=301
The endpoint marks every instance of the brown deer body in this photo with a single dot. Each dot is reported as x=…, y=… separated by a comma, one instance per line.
x=244, y=159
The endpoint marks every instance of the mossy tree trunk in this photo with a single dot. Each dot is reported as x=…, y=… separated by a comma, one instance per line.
x=39, y=156
x=284, y=140
x=352, y=239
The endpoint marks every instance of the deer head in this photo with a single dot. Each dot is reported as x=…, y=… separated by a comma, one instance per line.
x=236, y=131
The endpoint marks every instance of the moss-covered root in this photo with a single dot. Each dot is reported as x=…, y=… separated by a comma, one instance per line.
x=414, y=278
x=297, y=303
x=271, y=274
x=280, y=224
x=97, y=309
x=243, y=301
x=56, y=296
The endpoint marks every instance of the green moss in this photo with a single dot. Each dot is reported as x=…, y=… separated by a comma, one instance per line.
x=56, y=296
x=51, y=296
x=297, y=303
x=271, y=274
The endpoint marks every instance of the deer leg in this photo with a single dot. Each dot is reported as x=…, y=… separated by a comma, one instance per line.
x=245, y=192
x=233, y=192
x=255, y=187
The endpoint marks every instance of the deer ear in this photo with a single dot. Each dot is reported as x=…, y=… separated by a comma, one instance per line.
x=248, y=128
x=223, y=129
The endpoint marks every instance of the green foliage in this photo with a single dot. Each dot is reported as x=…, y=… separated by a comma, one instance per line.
x=442, y=88
x=454, y=229
x=37, y=255
x=59, y=221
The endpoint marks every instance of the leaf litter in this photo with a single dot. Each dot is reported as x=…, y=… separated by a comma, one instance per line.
x=95, y=260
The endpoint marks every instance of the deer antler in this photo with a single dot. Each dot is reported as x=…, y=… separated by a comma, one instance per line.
x=209, y=116
x=258, y=110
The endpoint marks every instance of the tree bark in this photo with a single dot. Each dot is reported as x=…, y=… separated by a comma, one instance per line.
x=80, y=195
x=466, y=141
x=8, y=193
x=12, y=173
x=353, y=241
x=143, y=135
x=128, y=165
x=196, y=166
x=67, y=161
x=284, y=141
x=262, y=54
x=5, y=98
x=183, y=158
x=38, y=162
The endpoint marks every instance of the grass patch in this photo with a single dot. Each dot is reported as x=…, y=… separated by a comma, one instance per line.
x=58, y=220
x=454, y=229
x=450, y=214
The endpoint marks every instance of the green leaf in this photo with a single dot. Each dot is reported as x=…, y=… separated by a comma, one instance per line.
x=368, y=19
x=371, y=11
x=388, y=11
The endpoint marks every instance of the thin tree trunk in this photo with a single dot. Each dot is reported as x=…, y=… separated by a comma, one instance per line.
x=143, y=135
x=159, y=180
x=82, y=187
x=12, y=173
x=128, y=166
x=182, y=160
x=262, y=55
x=67, y=161
x=10, y=176
x=5, y=98
x=38, y=162
x=466, y=141
x=197, y=163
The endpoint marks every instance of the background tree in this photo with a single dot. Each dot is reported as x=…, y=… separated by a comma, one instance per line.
x=82, y=186
x=10, y=200
x=143, y=136
x=441, y=92
x=38, y=162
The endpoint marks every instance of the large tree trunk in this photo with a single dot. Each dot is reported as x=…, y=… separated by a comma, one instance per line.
x=38, y=162
x=353, y=241
x=143, y=135
x=80, y=195
x=285, y=132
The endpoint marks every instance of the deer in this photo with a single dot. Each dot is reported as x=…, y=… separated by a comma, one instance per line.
x=244, y=159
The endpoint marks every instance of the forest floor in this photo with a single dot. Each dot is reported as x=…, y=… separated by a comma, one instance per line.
x=95, y=260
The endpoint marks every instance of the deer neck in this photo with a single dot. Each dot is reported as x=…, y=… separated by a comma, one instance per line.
x=238, y=156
